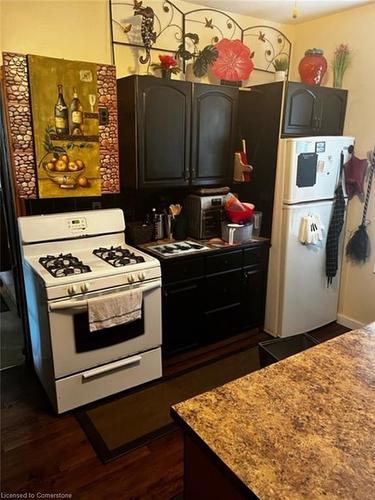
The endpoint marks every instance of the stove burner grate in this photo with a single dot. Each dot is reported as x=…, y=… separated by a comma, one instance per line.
x=117, y=256
x=63, y=265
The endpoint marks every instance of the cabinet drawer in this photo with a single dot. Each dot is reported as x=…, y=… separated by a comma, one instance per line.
x=178, y=270
x=256, y=256
x=223, y=289
x=222, y=323
x=223, y=262
x=94, y=384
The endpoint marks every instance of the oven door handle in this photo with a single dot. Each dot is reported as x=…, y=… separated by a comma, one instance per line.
x=82, y=304
x=110, y=367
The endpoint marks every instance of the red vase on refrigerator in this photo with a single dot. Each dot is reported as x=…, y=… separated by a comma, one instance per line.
x=312, y=67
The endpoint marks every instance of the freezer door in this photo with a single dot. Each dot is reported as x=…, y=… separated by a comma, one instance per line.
x=312, y=167
x=298, y=299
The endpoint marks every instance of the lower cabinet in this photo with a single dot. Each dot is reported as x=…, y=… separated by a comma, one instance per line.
x=253, y=296
x=182, y=310
x=226, y=297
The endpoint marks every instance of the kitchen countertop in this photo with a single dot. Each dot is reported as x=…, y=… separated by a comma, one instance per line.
x=211, y=247
x=301, y=428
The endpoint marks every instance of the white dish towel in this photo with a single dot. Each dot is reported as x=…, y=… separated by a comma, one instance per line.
x=114, y=309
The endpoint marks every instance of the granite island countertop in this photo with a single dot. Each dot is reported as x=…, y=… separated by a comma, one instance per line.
x=301, y=428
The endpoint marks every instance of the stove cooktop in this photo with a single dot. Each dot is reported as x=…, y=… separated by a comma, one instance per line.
x=67, y=264
x=118, y=256
x=63, y=265
x=178, y=248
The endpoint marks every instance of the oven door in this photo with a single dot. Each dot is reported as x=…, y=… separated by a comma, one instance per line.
x=75, y=348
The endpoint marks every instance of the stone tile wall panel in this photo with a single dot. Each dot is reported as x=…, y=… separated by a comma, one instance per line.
x=19, y=119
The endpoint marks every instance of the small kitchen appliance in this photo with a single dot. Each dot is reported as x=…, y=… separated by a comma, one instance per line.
x=69, y=259
x=236, y=233
x=204, y=215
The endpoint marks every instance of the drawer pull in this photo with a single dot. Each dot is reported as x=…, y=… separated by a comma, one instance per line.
x=101, y=370
x=183, y=289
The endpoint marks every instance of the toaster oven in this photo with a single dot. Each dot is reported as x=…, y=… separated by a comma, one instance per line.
x=204, y=214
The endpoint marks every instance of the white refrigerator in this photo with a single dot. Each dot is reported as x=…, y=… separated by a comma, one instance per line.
x=298, y=298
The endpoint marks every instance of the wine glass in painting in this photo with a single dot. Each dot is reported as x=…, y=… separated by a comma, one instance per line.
x=92, y=101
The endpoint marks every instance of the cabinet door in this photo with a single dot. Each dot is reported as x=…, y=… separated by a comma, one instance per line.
x=213, y=134
x=222, y=305
x=253, y=299
x=182, y=316
x=164, y=109
x=301, y=110
x=332, y=110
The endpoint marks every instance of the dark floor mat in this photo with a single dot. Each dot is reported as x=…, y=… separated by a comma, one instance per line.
x=119, y=425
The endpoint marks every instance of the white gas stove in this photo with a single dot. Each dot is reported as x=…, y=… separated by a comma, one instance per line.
x=69, y=259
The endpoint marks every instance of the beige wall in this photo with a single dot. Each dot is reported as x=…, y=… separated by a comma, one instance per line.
x=70, y=29
x=357, y=28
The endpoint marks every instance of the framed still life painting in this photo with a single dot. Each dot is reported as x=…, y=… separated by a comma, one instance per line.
x=66, y=126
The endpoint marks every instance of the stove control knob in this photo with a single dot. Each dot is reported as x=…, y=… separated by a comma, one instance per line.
x=131, y=279
x=141, y=276
x=85, y=287
x=72, y=289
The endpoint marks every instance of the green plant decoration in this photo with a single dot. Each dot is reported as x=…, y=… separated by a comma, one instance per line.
x=202, y=58
x=281, y=64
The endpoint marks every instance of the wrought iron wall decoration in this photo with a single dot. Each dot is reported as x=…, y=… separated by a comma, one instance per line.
x=164, y=29
x=268, y=45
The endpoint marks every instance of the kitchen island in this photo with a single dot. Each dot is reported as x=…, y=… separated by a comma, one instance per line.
x=301, y=428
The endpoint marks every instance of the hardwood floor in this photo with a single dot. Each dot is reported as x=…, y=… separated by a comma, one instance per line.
x=45, y=453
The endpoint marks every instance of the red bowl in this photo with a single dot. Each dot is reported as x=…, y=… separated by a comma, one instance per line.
x=240, y=217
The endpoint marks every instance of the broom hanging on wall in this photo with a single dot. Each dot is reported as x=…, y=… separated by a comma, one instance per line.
x=358, y=247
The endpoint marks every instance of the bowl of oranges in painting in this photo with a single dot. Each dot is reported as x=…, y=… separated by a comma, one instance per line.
x=67, y=173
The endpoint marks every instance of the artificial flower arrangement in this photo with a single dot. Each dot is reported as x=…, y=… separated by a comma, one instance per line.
x=340, y=63
x=234, y=62
x=167, y=66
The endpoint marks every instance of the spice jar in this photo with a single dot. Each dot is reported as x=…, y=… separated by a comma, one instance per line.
x=312, y=67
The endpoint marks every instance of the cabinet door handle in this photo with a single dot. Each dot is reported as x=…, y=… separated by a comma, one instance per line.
x=102, y=370
x=186, y=174
x=193, y=173
x=183, y=289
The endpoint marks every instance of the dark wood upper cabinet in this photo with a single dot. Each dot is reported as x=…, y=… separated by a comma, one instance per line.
x=175, y=133
x=332, y=111
x=154, y=131
x=213, y=133
x=313, y=110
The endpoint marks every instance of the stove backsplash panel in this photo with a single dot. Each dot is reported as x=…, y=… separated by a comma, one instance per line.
x=19, y=115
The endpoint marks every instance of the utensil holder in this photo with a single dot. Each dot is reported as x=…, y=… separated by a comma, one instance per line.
x=179, y=227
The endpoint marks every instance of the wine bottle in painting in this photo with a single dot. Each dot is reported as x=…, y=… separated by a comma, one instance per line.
x=61, y=113
x=76, y=115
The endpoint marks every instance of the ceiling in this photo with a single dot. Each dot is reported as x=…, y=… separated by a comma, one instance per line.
x=281, y=10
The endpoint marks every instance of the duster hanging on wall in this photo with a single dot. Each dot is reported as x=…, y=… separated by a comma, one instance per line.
x=358, y=247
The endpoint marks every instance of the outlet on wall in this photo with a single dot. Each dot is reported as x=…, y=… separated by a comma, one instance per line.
x=96, y=205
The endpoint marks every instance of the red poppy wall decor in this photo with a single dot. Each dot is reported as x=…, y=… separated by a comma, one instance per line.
x=234, y=62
